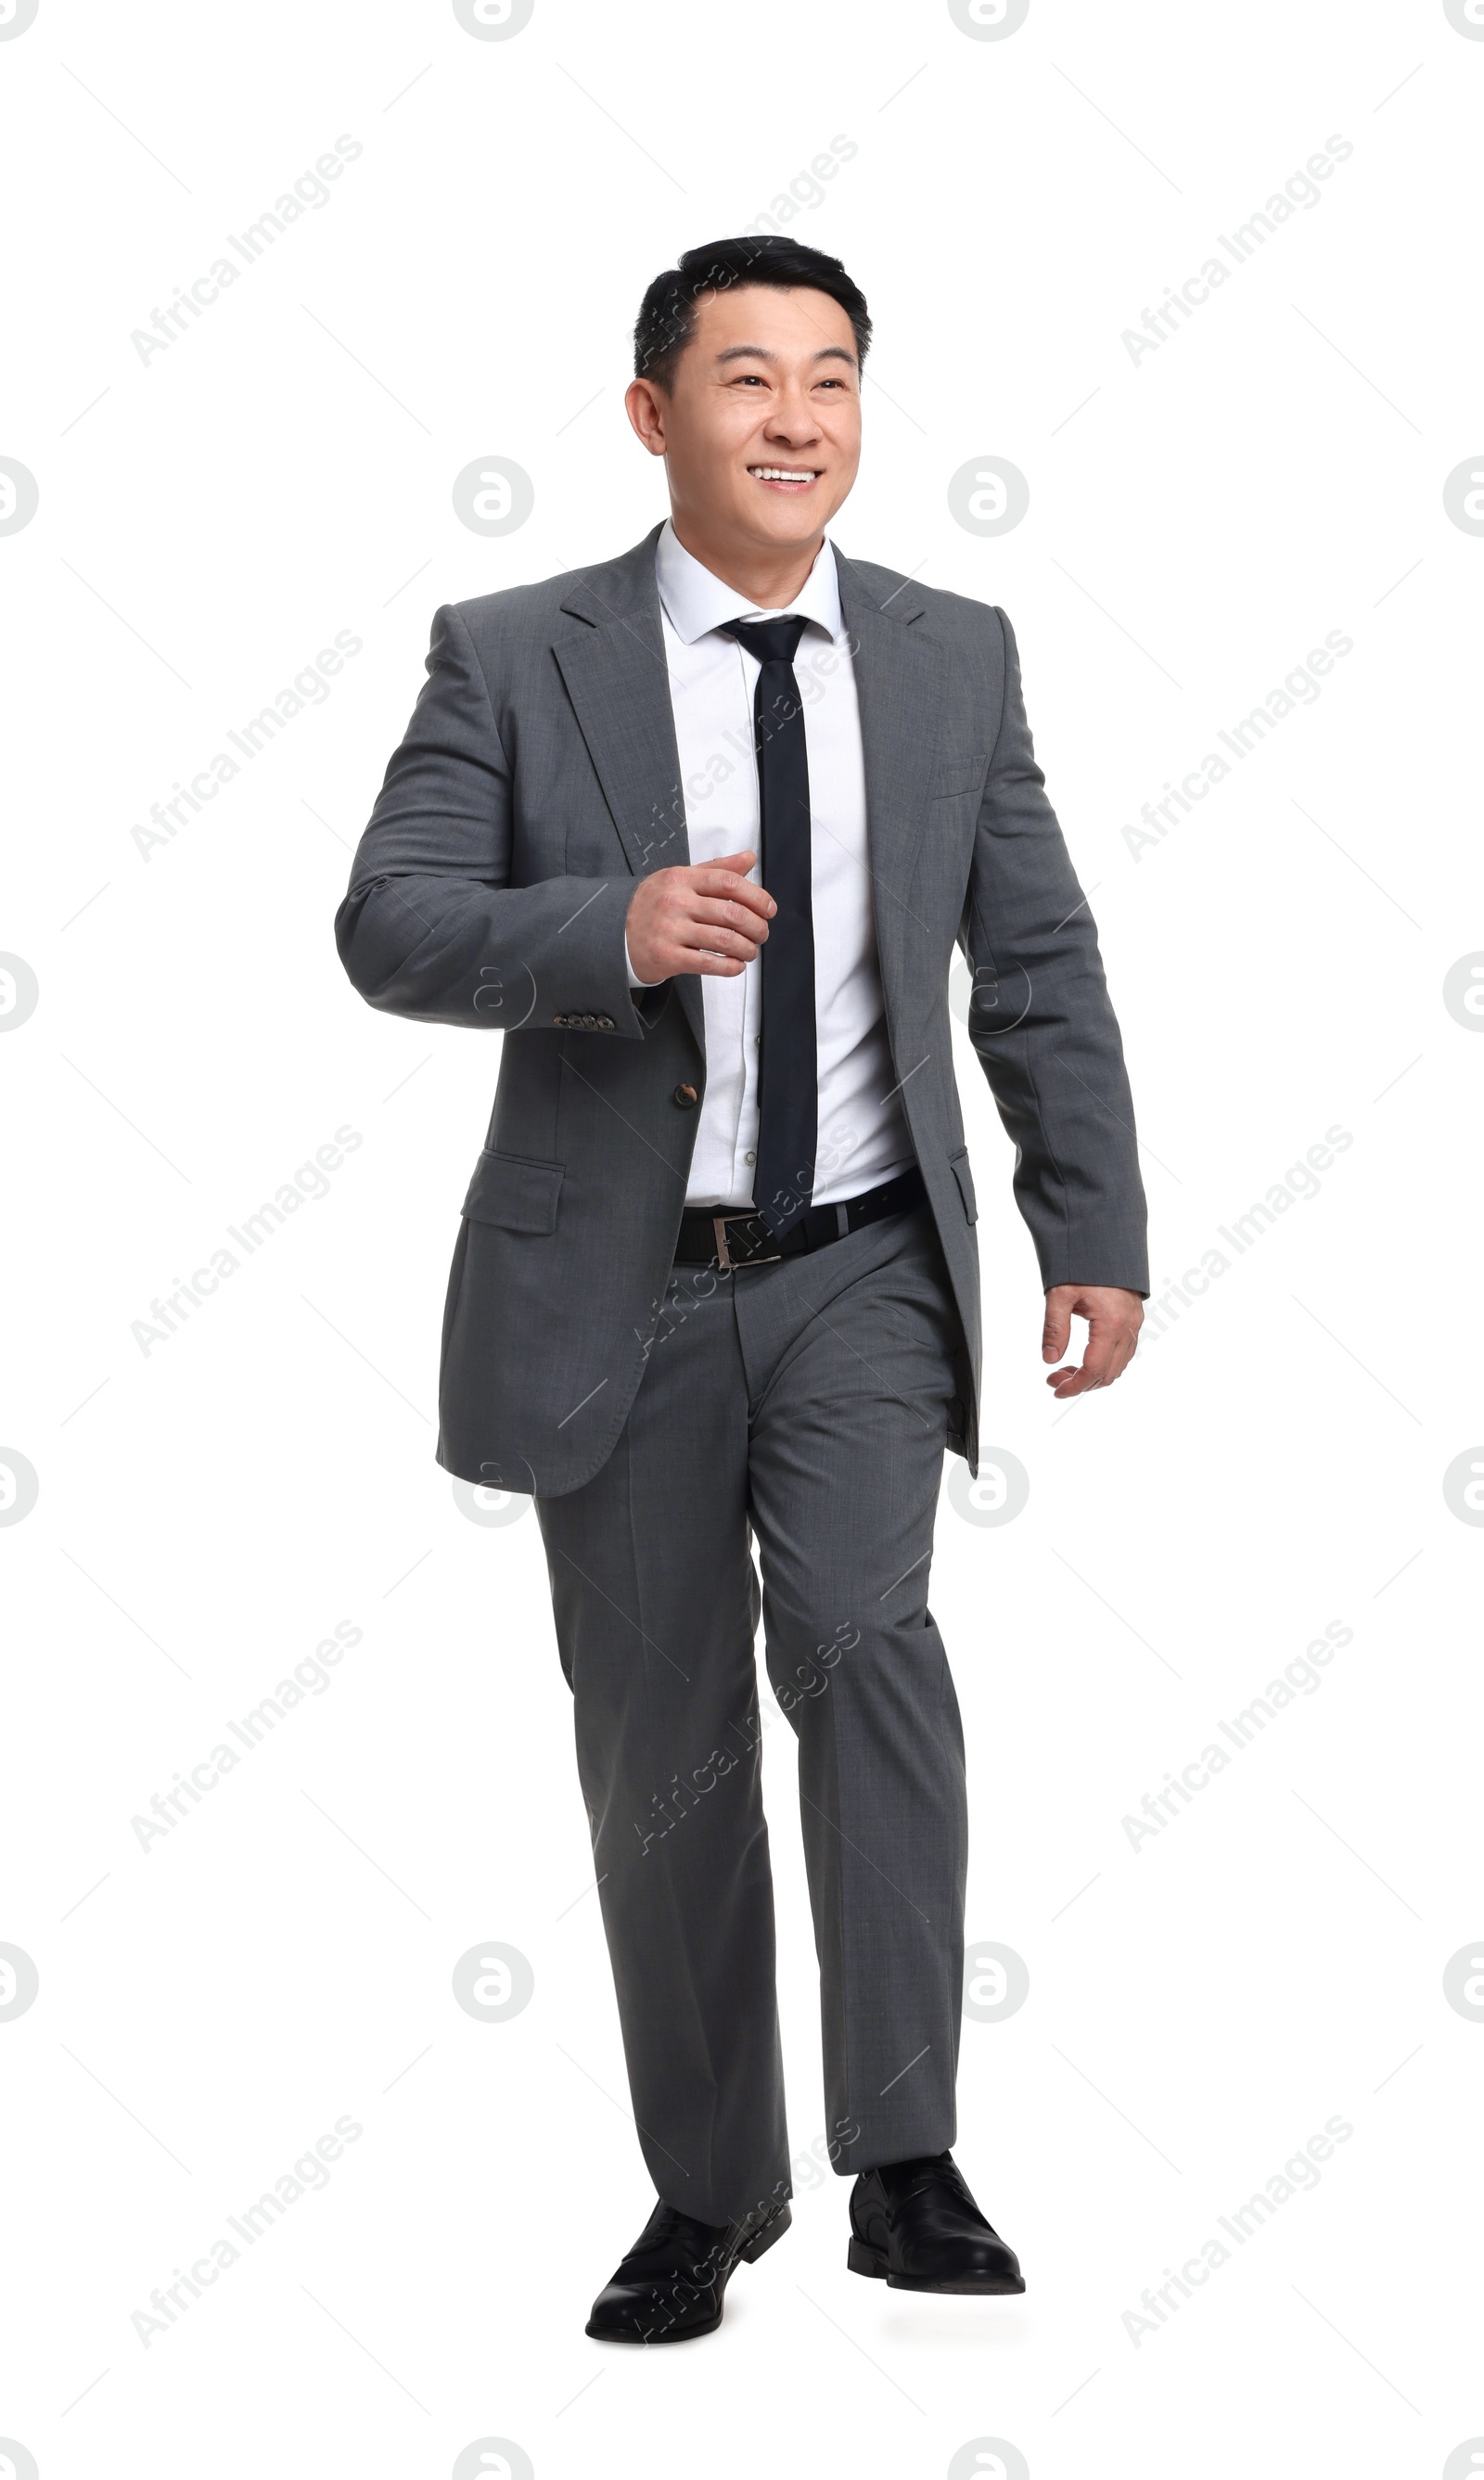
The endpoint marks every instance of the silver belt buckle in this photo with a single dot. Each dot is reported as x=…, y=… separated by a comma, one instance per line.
x=724, y=1258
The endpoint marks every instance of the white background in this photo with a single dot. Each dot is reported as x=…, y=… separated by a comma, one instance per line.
x=209, y=1510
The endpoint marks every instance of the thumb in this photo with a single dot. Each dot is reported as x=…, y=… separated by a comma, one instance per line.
x=740, y=861
x=1057, y=1332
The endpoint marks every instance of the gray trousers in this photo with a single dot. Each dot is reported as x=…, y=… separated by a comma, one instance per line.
x=804, y=1403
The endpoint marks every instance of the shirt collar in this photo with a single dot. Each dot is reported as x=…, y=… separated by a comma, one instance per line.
x=697, y=600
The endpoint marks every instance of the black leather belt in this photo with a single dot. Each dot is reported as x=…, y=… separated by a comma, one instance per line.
x=728, y=1240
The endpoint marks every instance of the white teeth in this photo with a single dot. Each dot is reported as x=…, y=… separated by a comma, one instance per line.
x=778, y=473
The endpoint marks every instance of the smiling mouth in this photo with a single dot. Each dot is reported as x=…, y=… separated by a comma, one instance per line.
x=785, y=478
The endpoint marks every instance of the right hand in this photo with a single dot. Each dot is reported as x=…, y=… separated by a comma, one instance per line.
x=707, y=918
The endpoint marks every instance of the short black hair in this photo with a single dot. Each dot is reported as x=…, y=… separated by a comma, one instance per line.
x=666, y=319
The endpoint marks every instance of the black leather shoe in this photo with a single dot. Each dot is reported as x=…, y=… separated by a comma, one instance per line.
x=670, y=2286
x=915, y=2225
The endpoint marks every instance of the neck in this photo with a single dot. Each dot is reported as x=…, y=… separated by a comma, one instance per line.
x=769, y=576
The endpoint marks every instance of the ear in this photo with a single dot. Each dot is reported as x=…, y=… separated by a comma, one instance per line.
x=644, y=405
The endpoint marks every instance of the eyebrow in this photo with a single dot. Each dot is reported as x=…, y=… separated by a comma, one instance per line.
x=761, y=353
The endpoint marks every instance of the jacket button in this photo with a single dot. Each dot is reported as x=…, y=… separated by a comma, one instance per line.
x=606, y=1025
x=687, y=1097
x=559, y=1019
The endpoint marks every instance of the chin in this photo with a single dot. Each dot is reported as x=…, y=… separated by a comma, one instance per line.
x=786, y=521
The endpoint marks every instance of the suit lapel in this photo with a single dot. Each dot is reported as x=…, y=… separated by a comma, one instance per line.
x=897, y=679
x=616, y=678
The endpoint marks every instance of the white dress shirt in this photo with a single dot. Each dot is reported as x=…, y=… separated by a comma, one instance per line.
x=863, y=1128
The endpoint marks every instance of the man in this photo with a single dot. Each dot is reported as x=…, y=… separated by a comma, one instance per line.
x=697, y=828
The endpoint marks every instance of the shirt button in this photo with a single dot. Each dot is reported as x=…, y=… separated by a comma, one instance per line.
x=687, y=1097
x=752, y=1155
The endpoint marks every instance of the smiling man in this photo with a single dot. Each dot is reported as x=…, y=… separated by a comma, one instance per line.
x=697, y=828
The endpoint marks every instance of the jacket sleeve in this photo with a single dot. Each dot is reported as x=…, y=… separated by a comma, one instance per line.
x=1043, y=1025
x=432, y=925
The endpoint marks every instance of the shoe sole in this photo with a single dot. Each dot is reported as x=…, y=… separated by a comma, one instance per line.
x=765, y=2238
x=748, y=2255
x=861, y=2258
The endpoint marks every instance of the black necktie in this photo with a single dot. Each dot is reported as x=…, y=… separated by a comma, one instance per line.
x=788, y=1066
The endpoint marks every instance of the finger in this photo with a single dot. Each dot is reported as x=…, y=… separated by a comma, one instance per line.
x=1128, y=1345
x=1101, y=1341
x=1074, y=1379
x=1119, y=1342
x=1109, y=1350
x=691, y=935
x=727, y=916
x=1110, y=1346
x=741, y=861
x=698, y=960
x=725, y=887
x=1068, y=1383
x=705, y=924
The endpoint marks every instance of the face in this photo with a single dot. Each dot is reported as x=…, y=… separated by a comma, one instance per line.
x=761, y=428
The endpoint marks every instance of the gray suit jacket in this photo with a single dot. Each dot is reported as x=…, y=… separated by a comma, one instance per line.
x=537, y=780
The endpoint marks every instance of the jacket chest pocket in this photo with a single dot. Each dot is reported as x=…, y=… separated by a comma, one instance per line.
x=954, y=777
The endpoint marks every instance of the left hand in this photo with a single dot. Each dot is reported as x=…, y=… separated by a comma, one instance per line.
x=1114, y=1318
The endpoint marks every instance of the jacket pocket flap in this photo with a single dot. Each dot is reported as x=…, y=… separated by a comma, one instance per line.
x=959, y=1166
x=956, y=775
x=520, y=1195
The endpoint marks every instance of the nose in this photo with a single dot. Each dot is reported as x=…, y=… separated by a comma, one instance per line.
x=793, y=418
